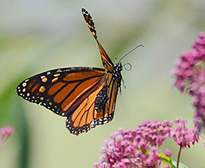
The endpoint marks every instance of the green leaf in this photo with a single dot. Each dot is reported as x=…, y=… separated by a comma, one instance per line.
x=144, y=151
x=166, y=160
x=180, y=165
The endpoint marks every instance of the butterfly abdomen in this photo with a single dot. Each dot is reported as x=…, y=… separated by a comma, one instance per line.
x=101, y=99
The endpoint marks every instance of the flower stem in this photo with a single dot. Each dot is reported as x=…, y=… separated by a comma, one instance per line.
x=179, y=154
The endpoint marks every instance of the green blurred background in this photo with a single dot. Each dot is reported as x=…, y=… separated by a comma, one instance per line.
x=40, y=35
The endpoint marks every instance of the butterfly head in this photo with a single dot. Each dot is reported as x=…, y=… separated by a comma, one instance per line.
x=118, y=67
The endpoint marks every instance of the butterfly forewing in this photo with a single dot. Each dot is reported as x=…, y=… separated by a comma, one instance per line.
x=91, y=25
x=61, y=90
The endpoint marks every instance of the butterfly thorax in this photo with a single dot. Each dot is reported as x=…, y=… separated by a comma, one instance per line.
x=117, y=73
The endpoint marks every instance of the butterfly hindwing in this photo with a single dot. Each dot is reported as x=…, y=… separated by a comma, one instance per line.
x=88, y=115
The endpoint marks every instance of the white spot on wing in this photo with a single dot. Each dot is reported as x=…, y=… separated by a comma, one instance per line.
x=24, y=84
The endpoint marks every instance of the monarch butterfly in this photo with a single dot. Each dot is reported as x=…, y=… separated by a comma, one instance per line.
x=85, y=95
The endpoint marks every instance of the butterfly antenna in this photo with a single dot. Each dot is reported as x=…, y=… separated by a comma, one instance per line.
x=141, y=45
x=127, y=68
x=115, y=60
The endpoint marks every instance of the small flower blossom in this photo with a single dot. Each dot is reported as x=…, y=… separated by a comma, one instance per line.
x=168, y=152
x=189, y=75
x=182, y=135
x=166, y=166
x=5, y=132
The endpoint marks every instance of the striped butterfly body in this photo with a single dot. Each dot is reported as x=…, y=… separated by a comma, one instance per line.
x=85, y=95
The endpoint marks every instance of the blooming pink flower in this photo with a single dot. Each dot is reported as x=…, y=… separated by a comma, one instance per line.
x=140, y=147
x=5, y=132
x=166, y=166
x=135, y=148
x=182, y=135
x=189, y=75
x=168, y=152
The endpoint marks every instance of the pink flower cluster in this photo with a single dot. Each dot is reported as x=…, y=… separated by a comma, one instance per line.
x=140, y=148
x=183, y=136
x=189, y=76
x=5, y=132
x=127, y=146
